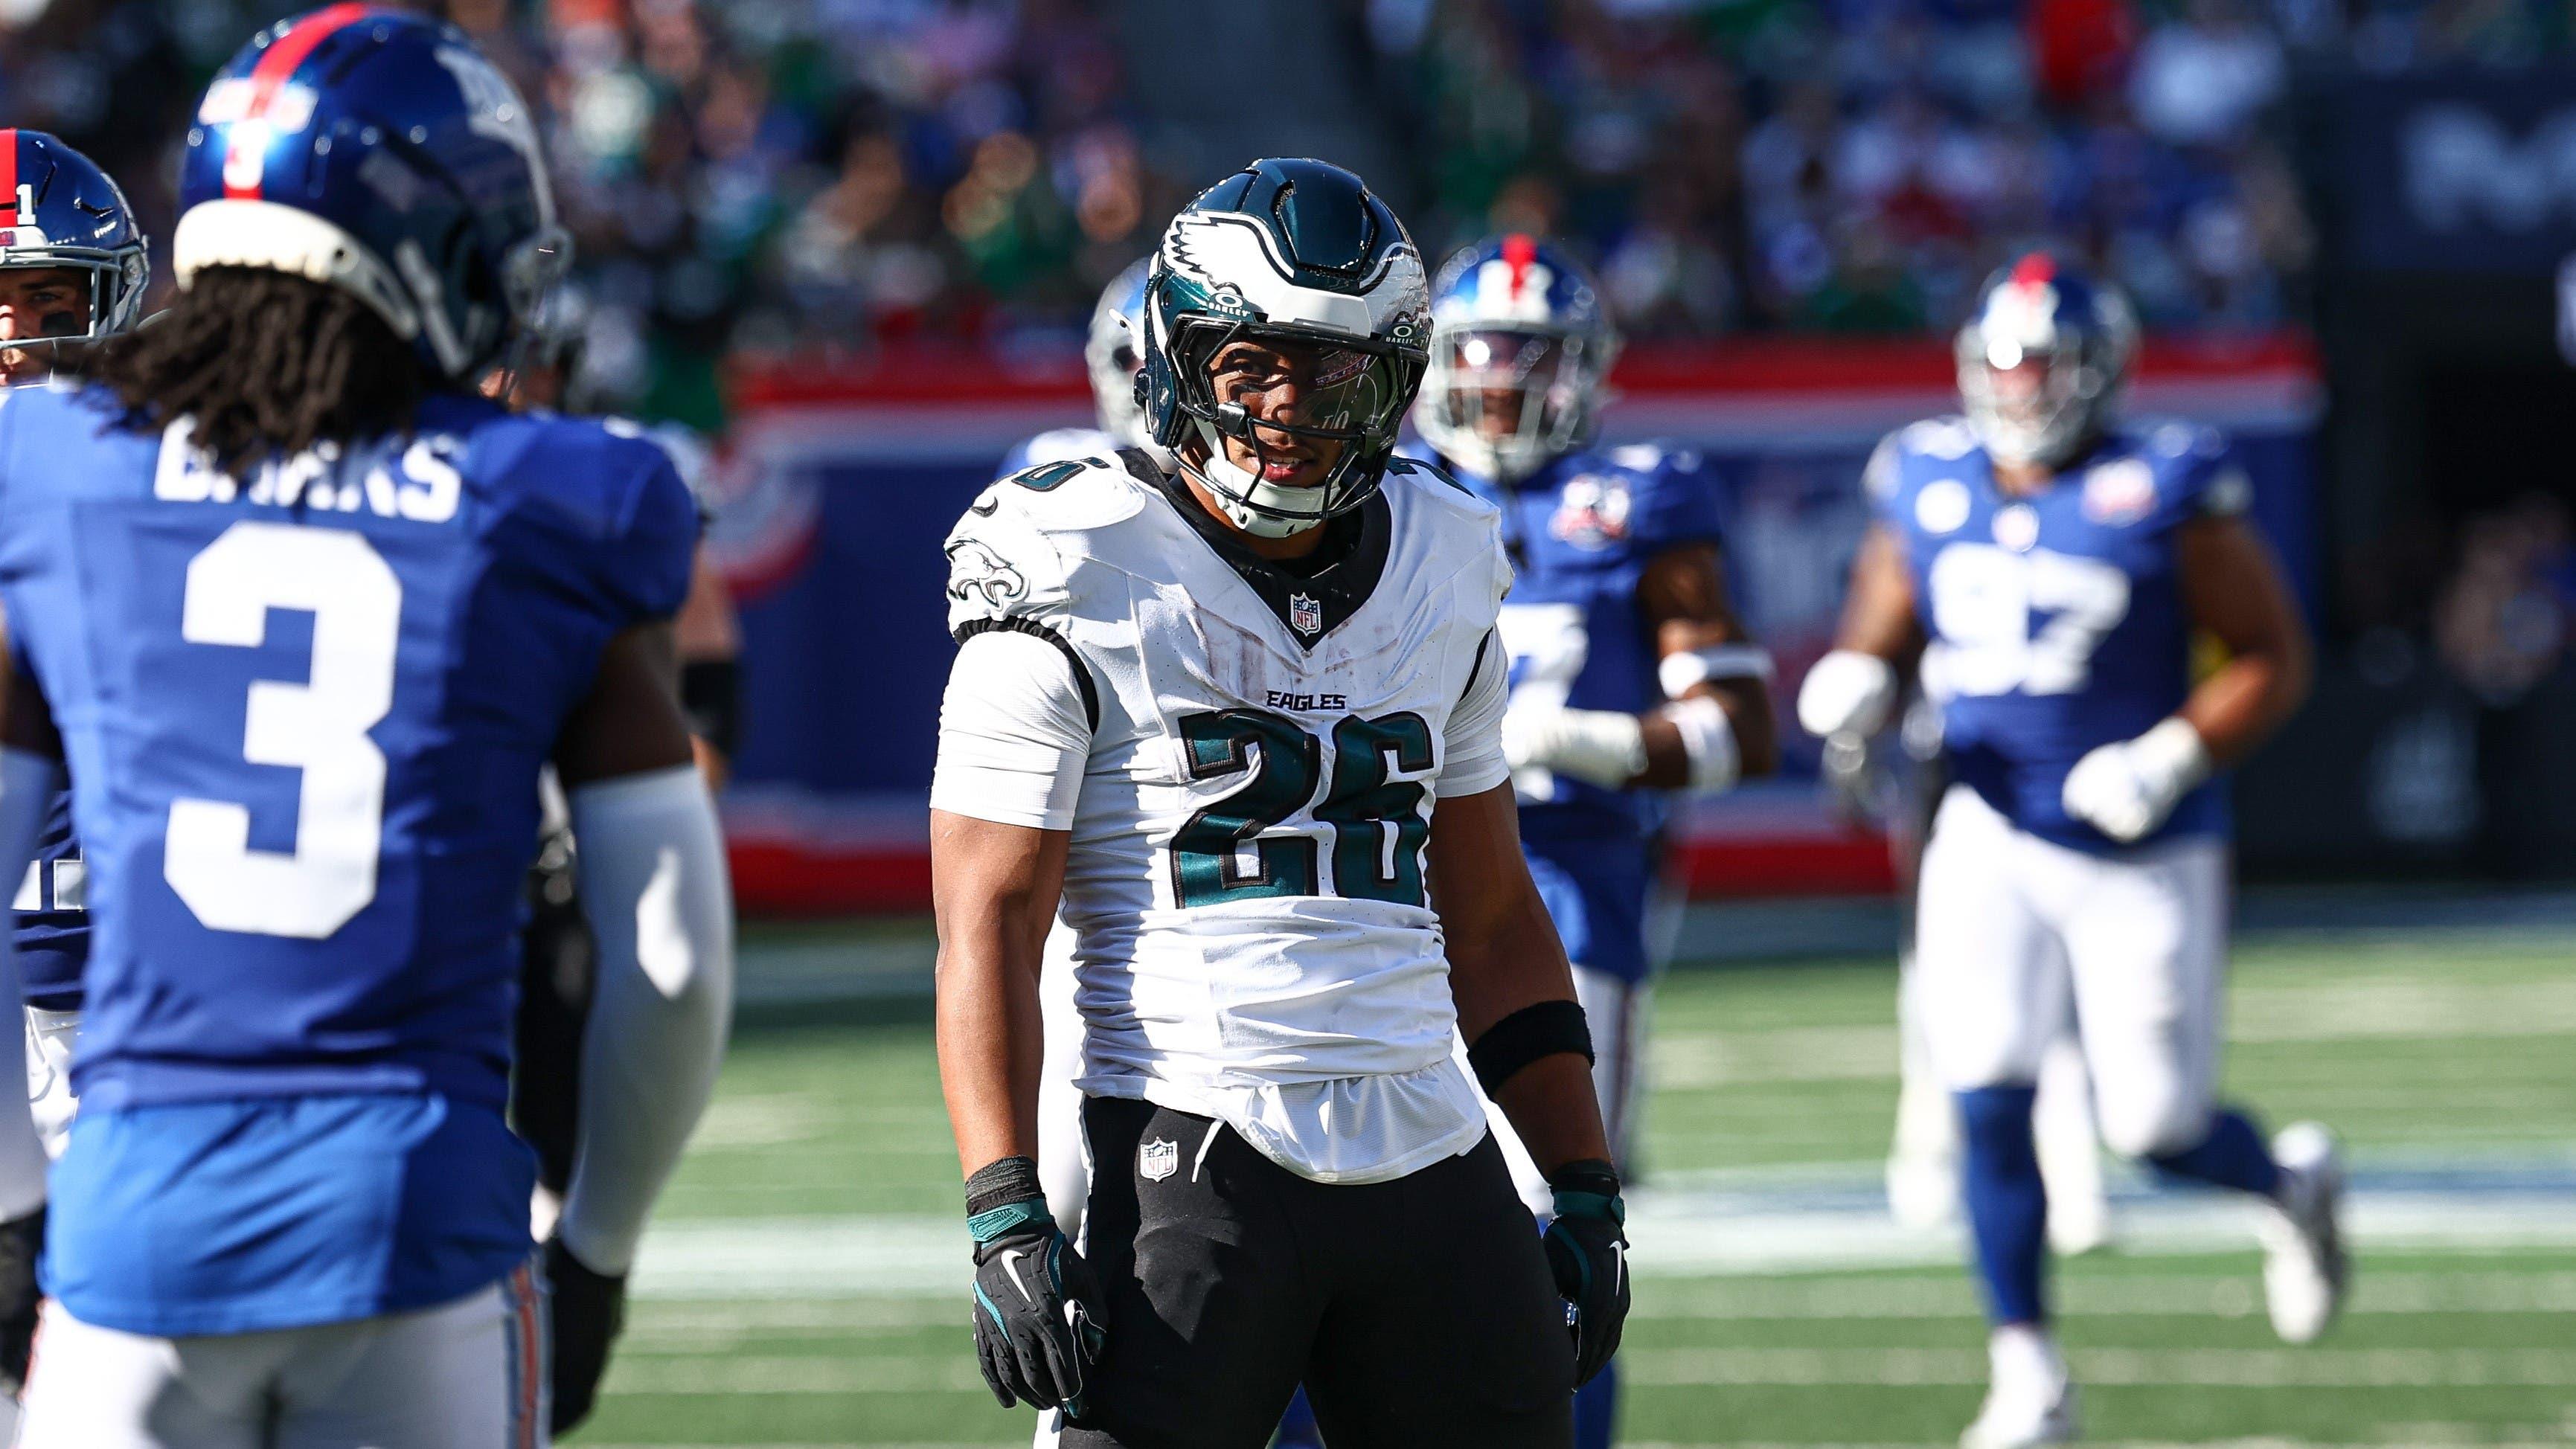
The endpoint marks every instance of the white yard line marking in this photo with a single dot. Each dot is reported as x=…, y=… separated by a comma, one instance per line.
x=686, y=1326
x=2350, y=1369
x=2135, y=1368
x=2340, y=1011
x=1684, y=1234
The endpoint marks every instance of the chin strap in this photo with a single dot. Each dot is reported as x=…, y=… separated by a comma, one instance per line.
x=1230, y=487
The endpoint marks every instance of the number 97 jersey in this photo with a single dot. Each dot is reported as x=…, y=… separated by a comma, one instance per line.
x=305, y=714
x=2055, y=620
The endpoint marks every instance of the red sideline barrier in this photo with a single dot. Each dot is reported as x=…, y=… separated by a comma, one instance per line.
x=1802, y=366
x=785, y=878
x=1753, y=869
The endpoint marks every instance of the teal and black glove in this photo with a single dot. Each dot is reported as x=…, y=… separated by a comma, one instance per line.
x=1037, y=1307
x=1587, y=1249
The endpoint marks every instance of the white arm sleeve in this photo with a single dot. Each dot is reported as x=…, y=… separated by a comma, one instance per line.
x=1014, y=732
x=27, y=786
x=652, y=868
x=1473, y=761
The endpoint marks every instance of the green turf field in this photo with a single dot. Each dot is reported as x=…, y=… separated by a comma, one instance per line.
x=805, y=1287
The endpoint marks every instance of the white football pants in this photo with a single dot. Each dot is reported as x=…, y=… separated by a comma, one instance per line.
x=2011, y=930
x=465, y=1375
x=1923, y=1162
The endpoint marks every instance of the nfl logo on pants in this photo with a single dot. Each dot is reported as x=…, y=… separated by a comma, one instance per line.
x=1158, y=1159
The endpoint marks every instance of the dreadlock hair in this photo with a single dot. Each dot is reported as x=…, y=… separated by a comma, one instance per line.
x=267, y=365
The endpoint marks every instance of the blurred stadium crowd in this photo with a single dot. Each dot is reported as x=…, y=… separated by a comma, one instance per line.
x=764, y=177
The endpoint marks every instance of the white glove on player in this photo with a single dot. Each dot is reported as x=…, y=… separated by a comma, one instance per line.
x=1598, y=746
x=1846, y=693
x=2126, y=790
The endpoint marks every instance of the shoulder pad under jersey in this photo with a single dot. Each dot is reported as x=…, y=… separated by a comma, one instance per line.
x=1011, y=554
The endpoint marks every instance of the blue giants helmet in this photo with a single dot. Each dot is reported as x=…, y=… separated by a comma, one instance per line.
x=62, y=211
x=2042, y=359
x=1520, y=358
x=378, y=152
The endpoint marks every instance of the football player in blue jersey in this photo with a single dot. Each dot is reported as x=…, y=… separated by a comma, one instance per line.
x=73, y=269
x=1632, y=679
x=304, y=617
x=2054, y=565
x=546, y=371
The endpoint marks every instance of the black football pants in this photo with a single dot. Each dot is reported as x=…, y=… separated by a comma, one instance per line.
x=1417, y=1312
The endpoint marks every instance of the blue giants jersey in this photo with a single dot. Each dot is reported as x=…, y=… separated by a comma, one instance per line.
x=2056, y=622
x=304, y=721
x=52, y=921
x=304, y=718
x=1580, y=532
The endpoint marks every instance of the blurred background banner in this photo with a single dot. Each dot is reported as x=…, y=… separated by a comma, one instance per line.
x=2457, y=170
x=842, y=484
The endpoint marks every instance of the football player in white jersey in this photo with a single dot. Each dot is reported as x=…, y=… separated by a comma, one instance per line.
x=1240, y=709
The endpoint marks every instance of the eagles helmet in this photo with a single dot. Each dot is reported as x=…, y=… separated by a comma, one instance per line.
x=1301, y=256
x=67, y=213
x=1520, y=358
x=2042, y=359
x=1113, y=357
x=379, y=152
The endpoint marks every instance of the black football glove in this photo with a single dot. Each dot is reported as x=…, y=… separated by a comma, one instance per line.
x=1587, y=1249
x=22, y=1242
x=587, y=1312
x=1037, y=1307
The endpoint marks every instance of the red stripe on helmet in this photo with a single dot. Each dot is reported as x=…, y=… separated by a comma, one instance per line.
x=2035, y=270
x=277, y=63
x=1518, y=252
x=9, y=173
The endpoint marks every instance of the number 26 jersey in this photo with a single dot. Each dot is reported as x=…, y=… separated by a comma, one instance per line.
x=2055, y=621
x=1246, y=760
x=304, y=715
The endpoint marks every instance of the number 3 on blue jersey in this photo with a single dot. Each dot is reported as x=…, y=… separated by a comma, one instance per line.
x=1983, y=600
x=319, y=727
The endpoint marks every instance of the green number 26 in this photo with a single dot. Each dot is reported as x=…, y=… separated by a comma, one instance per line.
x=1363, y=805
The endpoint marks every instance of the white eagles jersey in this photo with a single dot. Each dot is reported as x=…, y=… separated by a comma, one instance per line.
x=1248, y=781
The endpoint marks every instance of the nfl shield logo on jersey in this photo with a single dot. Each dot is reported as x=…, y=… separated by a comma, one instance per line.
x=1158, y=1159
x=1305, y=615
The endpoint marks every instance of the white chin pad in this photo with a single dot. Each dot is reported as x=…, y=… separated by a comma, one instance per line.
x=1232, y=488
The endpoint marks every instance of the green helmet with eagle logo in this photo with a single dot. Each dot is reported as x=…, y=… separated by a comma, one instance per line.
x=1297, y=254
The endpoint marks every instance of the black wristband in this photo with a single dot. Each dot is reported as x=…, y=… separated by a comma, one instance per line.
x=1540, y=1030
x=999, y=1184
x=711, y=696
x=1585, y=1174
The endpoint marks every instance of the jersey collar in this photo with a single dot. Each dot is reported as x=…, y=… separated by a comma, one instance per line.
x=1311, y=596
